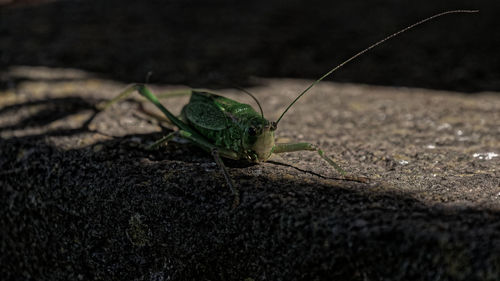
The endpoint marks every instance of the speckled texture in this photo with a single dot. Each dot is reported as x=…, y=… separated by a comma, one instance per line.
x=82, y=200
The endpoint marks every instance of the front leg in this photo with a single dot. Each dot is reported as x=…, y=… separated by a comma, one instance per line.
x=216, y=153
x=302, y=146
x=234, y=190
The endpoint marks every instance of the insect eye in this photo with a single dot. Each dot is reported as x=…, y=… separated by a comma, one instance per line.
x=252, y=131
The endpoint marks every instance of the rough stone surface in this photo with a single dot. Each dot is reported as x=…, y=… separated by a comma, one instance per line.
x=82, y=200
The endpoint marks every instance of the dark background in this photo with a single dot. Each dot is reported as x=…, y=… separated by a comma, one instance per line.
x=81, y=200
x=224, y=42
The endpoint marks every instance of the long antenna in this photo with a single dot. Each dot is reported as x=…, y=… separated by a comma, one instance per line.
x=253, y=97
x=369, y=48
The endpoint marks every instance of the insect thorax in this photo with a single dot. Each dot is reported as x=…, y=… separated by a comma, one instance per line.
x=230, y=125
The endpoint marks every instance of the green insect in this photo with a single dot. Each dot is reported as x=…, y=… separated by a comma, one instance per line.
x=229, y=129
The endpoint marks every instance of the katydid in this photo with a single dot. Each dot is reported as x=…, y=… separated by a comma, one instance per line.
x=229, y=129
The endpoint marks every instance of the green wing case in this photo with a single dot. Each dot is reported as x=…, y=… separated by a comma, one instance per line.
x=219, y=119
x=214, y=112
x=206, y=115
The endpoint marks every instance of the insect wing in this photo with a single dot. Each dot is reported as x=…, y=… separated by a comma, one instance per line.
x=206, y=115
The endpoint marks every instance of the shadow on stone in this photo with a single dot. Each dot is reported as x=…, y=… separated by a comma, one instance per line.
x=114, y=211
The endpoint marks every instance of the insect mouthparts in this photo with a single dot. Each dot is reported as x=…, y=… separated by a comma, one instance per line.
x=274, y=126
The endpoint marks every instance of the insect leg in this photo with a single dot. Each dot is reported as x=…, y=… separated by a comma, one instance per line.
x=161, y=141
x=175, y=93
x=185, y=131
x=145, y=92
x=129, y=90
x=216, y=153
x=291, y=147
x=234, y=190
x=201, y=142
